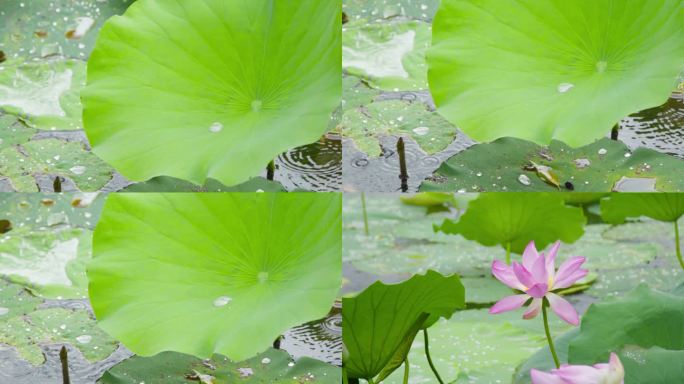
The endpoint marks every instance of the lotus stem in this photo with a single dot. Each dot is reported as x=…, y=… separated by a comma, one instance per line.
x=406, y=370
x=57, y=185
x=677, y=247
x=508, y=253
x=65, y=365
x=403, y=174
x=548, y=334
x=615, y=132
x=370, y=381
x=365, y=213
x=270, y=170
x=429, y=359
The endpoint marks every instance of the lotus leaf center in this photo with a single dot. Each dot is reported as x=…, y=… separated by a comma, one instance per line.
x=262, y=277
x=256, y=105
x=601, y=66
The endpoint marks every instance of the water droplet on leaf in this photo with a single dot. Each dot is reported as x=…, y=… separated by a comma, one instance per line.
x=421, y=131
x=524, y=180
x=216, y=127
x=84, y=339
x=221, y=301
x=564, y=87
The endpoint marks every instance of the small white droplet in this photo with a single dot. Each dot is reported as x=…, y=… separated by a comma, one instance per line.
x=221, y=301
x=628, y=154
x=290, y=364
x=479, y=174
x=524, y=180
x=78, y=169
x=602, y=151
x=216, y=127
x=260, y=191
x=421, y=131
x=63, y=326
x=564, y=87
x=4, y=311
x=245, y=372
x=265, y=360
x=84, y=339
x=582, y=163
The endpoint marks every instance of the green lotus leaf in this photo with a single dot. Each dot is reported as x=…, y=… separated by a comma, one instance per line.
x=659, y=206
x=380, y=323
x=514, y=219
x=510, y=164
x=390, y=56
x=367, y=125
x=418, y=9
x=213, y=273
x=53, y=157
x=50, y=264
x=356, y=93
x=45, y=93
x=171, y=184
x=36, y=29
x=644, y=318
x=543, y=70
x=213, y=88
x=26, y=327
x=542, y=359
x=272, y=366
x=14, y=131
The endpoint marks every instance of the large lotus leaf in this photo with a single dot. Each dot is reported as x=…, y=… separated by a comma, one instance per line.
x=211, y=88
x=367, y=125
x=380, y=323
x=45, y=210
x=517, y=218
x=556, y=69
x=510, y=164
x=14, y=131
x=644, y=318
x=213, y=273
x=356, y=93
x=390, y=56
x=45, y=93
x=659, y=206
x=53, y=157
x=272, y=366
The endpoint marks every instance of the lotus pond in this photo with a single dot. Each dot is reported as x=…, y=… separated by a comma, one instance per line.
x=45, y=49
x=507, y=108
x=46, y=243
x=418, y=274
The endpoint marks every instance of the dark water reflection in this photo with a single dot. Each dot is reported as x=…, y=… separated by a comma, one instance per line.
x=660, y=128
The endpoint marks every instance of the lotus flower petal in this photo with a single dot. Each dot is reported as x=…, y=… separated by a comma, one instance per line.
x=538, y=271
x=570, y=280
x=530, y=255
x=563, y=309
x=539, y=377
x=508, y=303
x=533, y=309
x=551, y=260
x=504, y=273
x=568, y=267
x=523, y=275
x=538, y=290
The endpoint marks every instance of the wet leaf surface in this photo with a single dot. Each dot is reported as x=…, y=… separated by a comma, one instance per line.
x=605, y=165
x=389, y=56
x=176, y=368
x=386, y=9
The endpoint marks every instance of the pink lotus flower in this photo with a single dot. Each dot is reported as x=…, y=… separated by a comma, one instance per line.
x=537, y=278
x=611, y=373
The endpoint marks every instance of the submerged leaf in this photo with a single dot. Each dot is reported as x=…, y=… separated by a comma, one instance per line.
x=515, y=219
x=213, y=88
x=556, y=69
x=380, y=323
x=213, y=273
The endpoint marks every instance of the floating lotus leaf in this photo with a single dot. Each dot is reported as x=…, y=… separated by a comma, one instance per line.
x=390, y=56
x=368, y=124
x=26, y=327
x=514, y=219
x=380, y=323
x=272, y=366
x=213, y=273
x=45, y=94
x=510, y=164
x=557, y=69
x=211, y=88
x=375, y=9
x=23, y=164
